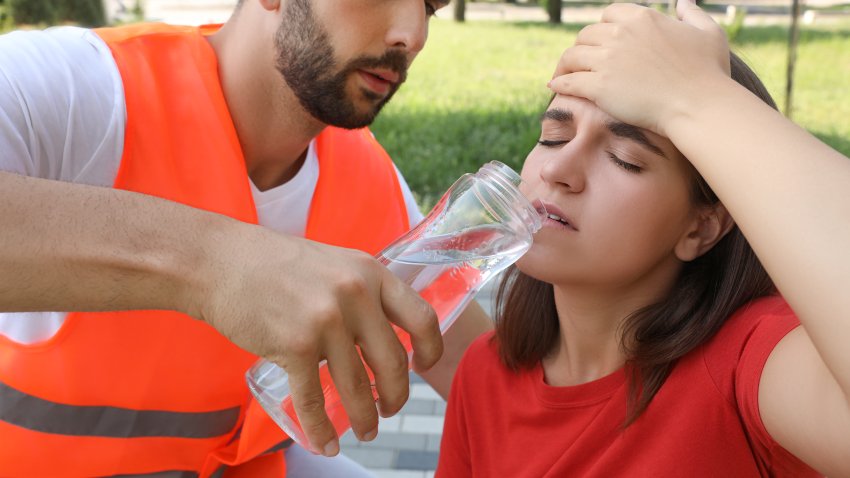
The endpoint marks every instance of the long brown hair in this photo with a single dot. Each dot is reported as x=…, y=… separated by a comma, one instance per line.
x=708, y=290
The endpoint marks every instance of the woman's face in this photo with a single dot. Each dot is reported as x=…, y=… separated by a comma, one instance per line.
x=622, y=194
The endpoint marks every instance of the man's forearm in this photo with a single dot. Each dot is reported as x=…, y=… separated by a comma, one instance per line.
x=71, y=247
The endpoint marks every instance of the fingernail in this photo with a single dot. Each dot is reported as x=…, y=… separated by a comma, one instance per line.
x=549, y=84
x=370, y=435
x=332, y=448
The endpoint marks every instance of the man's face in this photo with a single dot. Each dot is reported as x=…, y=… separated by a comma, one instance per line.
x=345, y=93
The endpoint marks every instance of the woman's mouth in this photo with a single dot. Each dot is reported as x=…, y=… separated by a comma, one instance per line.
x=556, y=218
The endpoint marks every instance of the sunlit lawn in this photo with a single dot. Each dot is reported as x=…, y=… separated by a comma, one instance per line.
x=476, y=92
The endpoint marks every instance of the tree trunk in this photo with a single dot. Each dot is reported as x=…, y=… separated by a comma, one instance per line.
x=460, y=10
x=553, y=7
x=793, y=38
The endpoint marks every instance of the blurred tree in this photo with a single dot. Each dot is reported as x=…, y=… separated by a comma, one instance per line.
x=460, y=10
x=33, y=12
x=89, y=13
x=3, y=15
x=553, y=8
x=793, y=39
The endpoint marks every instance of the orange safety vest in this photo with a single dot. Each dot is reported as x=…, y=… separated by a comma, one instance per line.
x=158, y=393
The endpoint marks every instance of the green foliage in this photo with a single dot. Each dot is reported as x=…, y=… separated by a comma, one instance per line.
x=33, y=12
x=476, y=93
x=734, y=27
x=89, y=13
x=5, y=18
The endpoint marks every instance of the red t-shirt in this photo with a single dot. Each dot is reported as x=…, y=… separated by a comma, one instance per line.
x=704, y=421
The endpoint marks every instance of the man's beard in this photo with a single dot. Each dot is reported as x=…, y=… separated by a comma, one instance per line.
x=305, y=58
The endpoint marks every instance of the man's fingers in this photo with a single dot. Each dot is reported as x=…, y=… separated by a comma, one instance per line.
x=354, y=386
x=406, y=309
x=388, y=360
x=309, y=402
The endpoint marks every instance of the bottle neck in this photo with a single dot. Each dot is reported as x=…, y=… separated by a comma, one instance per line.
x=505, y=183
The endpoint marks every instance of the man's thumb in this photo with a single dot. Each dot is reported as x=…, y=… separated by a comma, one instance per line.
x=690, y=13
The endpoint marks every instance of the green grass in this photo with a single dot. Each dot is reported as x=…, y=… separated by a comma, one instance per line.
x=476, y=92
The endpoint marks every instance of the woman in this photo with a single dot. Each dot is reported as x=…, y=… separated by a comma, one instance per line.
x=641, y=335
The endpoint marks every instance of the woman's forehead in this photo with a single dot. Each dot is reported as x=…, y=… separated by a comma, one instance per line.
x=581, y=110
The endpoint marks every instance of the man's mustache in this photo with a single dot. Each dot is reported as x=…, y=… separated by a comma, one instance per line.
x=394, y=60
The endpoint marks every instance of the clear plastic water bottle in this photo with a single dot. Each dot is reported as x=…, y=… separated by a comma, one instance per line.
x=481, y=225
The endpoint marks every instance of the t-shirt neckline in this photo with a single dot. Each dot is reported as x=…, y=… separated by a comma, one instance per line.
x=585, y=394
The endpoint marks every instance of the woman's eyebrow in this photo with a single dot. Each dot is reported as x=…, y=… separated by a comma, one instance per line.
x=625, y=130
x=557, y=114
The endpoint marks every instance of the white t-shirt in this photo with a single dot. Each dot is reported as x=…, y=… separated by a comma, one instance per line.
x=62, y=117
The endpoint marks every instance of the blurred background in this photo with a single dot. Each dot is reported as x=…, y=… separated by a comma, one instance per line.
x=476, y=92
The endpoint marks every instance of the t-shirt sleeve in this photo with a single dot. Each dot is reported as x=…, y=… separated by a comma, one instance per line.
x=414, y=215
x=769, y=326
x=61, y=106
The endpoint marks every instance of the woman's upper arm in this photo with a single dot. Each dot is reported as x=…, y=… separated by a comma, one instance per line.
x=803, y=408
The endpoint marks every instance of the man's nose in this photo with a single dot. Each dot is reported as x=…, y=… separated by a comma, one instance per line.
x=408, y=26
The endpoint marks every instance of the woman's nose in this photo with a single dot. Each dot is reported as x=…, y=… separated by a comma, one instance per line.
x=566, y=168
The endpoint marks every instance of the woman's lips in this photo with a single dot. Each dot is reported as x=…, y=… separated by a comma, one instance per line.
x=556, y=217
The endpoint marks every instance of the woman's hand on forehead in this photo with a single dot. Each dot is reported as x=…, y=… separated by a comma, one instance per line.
x=643, y=67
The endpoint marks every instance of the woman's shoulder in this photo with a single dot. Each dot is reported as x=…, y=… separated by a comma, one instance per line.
x=740, y=348
x=483, y=349
x=762, y=315
x=482, y=358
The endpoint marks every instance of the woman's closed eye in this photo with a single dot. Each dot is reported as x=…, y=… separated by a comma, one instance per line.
x=552, y=143
x=630, y=167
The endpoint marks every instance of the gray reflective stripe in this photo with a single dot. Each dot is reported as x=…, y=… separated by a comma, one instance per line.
x=173, y=474
x=191, y=474
x=280, y=446
x=33, y=413
x=167, y=474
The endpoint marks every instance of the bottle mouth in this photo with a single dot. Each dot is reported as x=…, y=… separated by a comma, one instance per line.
x=507, y=181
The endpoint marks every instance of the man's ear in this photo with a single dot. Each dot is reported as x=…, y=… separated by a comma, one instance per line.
x=709, y=226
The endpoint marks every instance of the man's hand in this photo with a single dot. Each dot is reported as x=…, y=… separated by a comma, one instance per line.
x=297, y=302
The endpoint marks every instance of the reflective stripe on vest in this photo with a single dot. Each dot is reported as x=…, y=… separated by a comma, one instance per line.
x=33, y=413
x=153, y=392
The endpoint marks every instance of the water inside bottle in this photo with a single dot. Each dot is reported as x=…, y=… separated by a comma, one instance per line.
x=447, y=270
